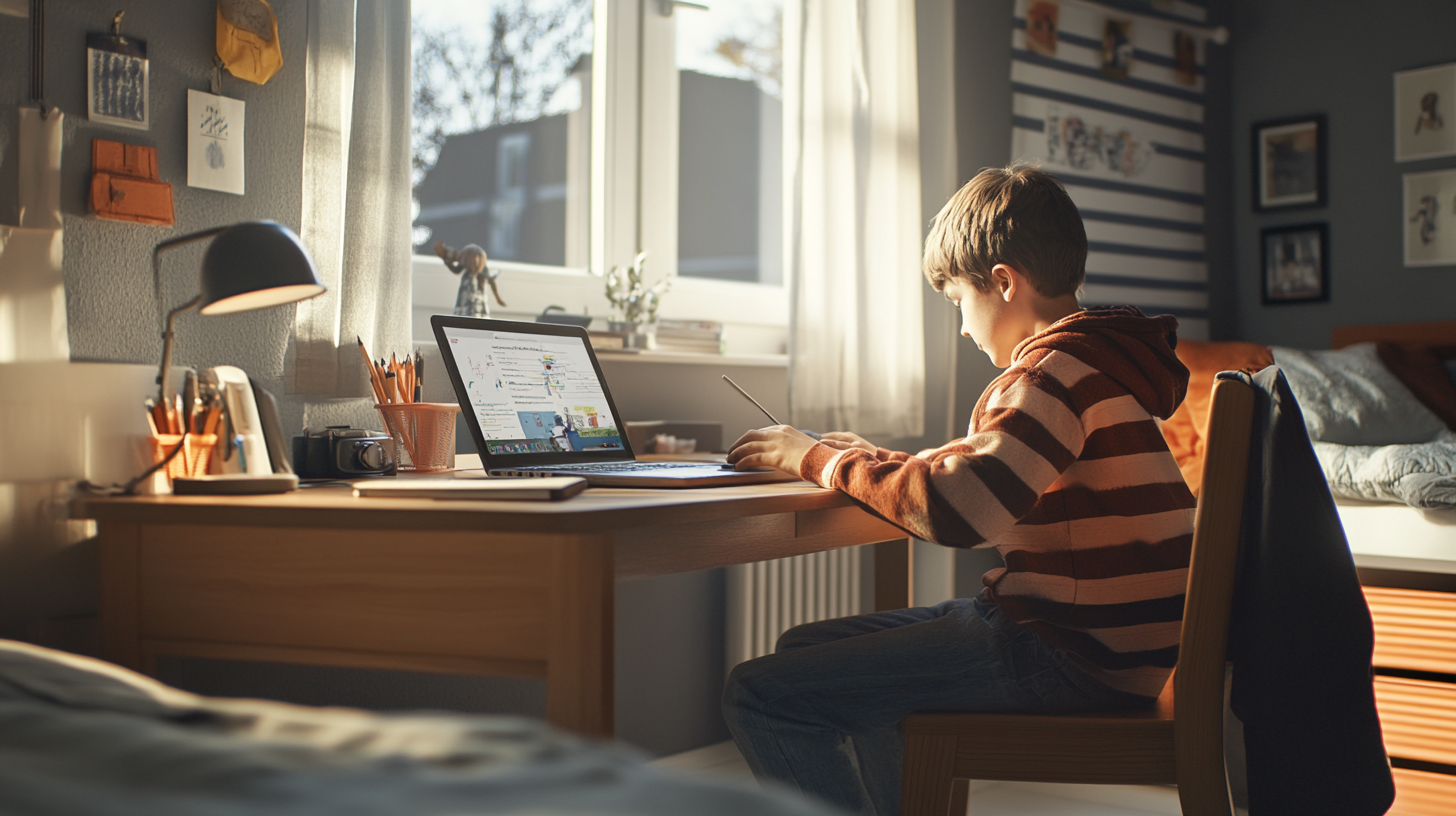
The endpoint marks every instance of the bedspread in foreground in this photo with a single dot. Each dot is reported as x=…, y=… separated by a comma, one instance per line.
x=82, y=736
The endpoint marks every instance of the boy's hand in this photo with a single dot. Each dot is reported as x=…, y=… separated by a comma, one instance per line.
x=780, y=446
x=844, y=440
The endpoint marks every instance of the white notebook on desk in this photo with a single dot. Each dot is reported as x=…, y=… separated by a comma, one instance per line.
x=524, y=489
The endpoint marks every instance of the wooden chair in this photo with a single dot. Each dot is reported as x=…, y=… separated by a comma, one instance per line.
x=1180, y=743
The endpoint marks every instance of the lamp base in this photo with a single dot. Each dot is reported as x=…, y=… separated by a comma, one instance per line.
x=234, y=484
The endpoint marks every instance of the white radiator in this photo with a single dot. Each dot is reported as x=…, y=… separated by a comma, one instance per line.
x=767, y=598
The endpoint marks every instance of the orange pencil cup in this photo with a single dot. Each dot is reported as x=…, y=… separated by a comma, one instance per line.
x=189, y=462
x=423, y=432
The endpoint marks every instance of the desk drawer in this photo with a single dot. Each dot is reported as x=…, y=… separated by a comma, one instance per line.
x=367, y=591
x=1418, y=718
x=1414, y=629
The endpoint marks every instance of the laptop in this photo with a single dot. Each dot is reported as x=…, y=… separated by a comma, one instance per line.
x=536, y=404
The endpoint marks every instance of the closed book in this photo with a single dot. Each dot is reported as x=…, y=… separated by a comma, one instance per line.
x=690, y=326
x=551, y=488
x=710, y=347
x=605, y=340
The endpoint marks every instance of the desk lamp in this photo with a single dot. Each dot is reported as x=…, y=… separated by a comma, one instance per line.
x=251, y=265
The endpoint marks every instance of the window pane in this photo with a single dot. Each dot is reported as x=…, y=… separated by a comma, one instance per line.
x=730, y=148
x=501, y=129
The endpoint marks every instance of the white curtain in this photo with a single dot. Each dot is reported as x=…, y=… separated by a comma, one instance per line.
x=356, y=193
x=853, y=216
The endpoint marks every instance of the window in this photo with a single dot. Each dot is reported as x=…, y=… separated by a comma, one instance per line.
x=548, y=132
x=496, y=131
x=730, y=140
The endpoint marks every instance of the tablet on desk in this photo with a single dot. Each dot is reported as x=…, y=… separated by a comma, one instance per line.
x=553, y=488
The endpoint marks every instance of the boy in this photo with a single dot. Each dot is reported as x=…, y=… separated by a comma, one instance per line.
x=1064, y=471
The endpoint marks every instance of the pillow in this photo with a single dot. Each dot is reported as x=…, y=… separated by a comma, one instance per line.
x=1350, y=398
x=1186, y=429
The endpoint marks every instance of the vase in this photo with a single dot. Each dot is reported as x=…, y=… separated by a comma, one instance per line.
x=637, y=336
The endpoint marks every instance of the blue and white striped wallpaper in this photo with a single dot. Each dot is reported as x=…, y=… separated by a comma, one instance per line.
x=1129, y=151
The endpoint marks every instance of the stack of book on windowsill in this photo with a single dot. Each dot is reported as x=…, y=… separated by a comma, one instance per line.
x=696, y=336
x=608, y=340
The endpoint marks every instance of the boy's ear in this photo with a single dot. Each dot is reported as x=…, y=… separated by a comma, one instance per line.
x=1006, y=281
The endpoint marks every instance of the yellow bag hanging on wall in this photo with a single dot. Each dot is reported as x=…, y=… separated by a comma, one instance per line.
x=247, y=39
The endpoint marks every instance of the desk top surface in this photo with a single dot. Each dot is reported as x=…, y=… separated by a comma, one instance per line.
x=334, y=506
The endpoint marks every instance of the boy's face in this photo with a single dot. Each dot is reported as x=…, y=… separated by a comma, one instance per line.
x=983, y=319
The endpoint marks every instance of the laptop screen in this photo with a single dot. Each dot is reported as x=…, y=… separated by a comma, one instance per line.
x=532, y=394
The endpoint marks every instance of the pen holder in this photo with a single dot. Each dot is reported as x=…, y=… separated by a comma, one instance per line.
x=189, y=462
x=423, y=432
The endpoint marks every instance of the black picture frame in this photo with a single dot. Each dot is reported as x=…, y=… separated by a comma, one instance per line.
x=1287, y=272
x=1284, y=169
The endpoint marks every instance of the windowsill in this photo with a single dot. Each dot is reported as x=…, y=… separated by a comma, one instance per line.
x=756, y=316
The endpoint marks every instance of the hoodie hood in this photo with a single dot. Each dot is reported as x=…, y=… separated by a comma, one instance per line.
x=1126, y=345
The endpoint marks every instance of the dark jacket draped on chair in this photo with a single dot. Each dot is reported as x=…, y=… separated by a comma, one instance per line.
x=1301, y=638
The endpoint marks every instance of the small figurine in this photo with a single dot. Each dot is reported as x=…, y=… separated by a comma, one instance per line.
x=470, y=263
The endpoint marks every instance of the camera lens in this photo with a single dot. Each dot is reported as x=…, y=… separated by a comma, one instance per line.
x=372, y=456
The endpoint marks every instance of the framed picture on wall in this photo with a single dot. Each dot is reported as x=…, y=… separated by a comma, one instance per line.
x=118, y=81
x=1429, y=218
x=1296, y=264
x=1424, y=99
x=1289, y=158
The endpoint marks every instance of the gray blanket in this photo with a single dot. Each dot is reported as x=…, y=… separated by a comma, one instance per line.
x=1374, y=440
x=79, y=736
x=1421, y=475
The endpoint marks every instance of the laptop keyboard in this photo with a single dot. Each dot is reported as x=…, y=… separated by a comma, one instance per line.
x=626, y=467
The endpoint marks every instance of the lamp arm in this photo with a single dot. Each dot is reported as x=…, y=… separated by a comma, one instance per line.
x=165, y=375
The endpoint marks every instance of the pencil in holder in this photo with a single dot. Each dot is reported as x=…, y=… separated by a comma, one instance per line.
x=423, y=433
x=189, y=462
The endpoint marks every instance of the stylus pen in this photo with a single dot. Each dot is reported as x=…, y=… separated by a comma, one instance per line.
x=756, y=404
x=750, y=398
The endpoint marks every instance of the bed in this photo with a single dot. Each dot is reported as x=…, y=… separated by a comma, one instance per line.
x=1406, y=558
x=78, y=735
x=1407, y=563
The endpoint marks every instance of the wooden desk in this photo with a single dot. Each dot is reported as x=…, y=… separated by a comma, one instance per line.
x=500, y=588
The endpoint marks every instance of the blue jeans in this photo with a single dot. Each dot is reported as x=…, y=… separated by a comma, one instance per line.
x=823, y=713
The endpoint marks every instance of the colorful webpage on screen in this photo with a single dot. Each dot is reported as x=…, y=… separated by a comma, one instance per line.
x=533, y=394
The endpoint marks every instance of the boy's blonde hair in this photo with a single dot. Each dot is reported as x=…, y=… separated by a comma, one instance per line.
x=1017, y=215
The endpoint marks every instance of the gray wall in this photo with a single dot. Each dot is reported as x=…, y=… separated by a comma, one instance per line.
x=1289, y=58
x=112, y=312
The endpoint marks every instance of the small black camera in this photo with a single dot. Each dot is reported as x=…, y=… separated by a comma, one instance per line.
x=341, y=452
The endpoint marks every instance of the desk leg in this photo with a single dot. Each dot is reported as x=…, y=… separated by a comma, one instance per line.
x=120, y=546
x=579, y=674
x=894, y=574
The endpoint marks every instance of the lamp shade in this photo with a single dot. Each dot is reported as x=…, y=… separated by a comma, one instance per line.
x=254, y=265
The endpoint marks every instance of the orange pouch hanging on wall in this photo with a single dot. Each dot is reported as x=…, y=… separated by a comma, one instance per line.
x=125, y=185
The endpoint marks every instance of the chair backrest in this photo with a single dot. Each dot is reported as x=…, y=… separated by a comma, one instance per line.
x=1198, y=683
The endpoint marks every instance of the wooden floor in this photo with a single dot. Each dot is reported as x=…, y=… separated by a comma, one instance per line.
x=987, y=798
x=1419, y=794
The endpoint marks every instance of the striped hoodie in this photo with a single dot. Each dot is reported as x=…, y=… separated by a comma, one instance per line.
x=1065, y=472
